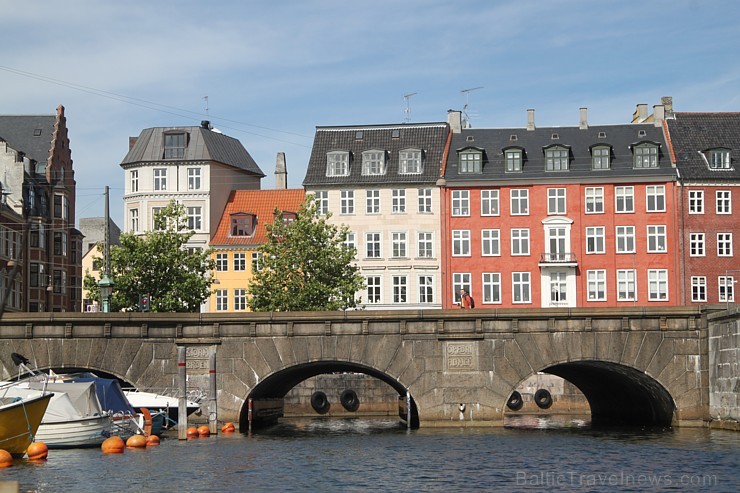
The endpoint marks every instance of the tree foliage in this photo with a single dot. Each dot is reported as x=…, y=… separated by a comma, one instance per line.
x=158, y=264
x=305, y=265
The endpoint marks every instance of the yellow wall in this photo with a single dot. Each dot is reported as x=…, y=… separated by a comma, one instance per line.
x=230, y=280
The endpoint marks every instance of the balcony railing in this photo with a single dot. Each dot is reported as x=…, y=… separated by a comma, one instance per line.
x=557, y=258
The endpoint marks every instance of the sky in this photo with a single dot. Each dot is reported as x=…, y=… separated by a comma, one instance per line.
x=269, y=72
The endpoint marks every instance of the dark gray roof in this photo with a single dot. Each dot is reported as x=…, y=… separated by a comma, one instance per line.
x=430, y=138
x=203, y=145
x=20, y=132
x=693, y=133
x=578, y=141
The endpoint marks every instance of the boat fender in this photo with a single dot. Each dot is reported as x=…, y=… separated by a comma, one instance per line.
x=319, y=402
x=543, y=399
x=515, y=401
x=349, y=400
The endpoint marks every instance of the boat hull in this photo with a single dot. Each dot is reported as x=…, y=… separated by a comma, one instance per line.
x=19, y=422
x=84, y=432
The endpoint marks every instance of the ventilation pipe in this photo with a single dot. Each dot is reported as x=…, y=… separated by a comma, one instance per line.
x=530, y=119
x=583, y=124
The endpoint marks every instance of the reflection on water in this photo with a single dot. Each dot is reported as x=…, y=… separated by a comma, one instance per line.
x=547, y=421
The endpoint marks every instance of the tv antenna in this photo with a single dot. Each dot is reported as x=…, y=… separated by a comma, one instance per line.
x=407, y=110
x=206, y=98
x=466, y=118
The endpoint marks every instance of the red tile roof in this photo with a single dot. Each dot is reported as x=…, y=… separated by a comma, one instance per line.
x=262, y=203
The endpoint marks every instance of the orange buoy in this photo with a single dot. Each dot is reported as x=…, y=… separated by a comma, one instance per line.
x=6, y=460
x=204, y=431
x=192, y=432
x=136, y=441
x=37, y=451
x=113, y=445
x=228, y=428
x=152, y=440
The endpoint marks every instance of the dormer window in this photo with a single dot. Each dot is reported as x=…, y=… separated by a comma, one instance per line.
x=718, y=158
x=337, y=163
x=174, y=145
x=645, y=155
x=471, y=161
x=514, y=159
x=557, y=158
x=289, y=217
x=601, y=156
x=242, y=224
x=409, y=162
x=373, y=162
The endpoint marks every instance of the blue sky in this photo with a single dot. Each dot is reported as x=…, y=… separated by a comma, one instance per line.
x=274, y=70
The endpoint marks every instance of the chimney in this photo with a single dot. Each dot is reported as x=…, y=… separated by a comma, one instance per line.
x=454, y=119
x=132, y=142
x=530, y=119
x=281, y=172
x=658, y=114
x=583, y=125
x=640, y=114
x=206, y=125
x=667, y=102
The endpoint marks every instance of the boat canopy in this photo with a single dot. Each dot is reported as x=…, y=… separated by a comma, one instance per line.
x=110, y=394
x=72, y=400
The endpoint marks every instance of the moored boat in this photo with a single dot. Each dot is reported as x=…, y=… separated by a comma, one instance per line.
x=164, y=404
x=20, y=418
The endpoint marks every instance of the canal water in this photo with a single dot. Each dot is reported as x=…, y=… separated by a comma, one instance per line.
x=355, y=455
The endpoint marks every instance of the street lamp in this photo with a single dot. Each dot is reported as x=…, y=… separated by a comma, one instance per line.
x=106, y=290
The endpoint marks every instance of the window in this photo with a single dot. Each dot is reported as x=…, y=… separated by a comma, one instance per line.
x=600, y=157
x=556, y=201
x=60, y=243
x=696, y=202
x=222, y=262
x=426, y=289
x=398, y=242
x=373, y=163
x=520, y=287
x=399, y=201
x=724, y=244
x=594, y=200
x=657, y=284
x=460, y=202
x=242, y=224
x=460, y=243
x=399, y=289
x=58, y=205
x=655, y=198
x=724, y=202
x=134, y=180
x=513, y=160
x=645, y=156
x=37, y=275
x=256, y=261
x=195, y=218
x=595, y=239
x=556, y=158
x=471, y=162
x=490, y=242
x=160, y=179
x=460, y=280
x=519, y=202
x=656, y=239
x=133, y=220
x=596, y=285
x=350, y=240
x=409, y=162
x=240, y=299
x=425, y=200
x=322, y=202
x=624, y=199
x=698, y=289
x=240, y=261
x=491, y=287
x=626, y=285
x=425, y=245
x=337, y=163
x=222, y=300
x=726, y=289
x=347, y=202
x=489, y=203
x=174, y=146
x=520, y=241
x=158, y=223
x=625, y=239
x=373, y=202
x=193, y=178
x=696, y=244
x=372, y=245
x=718, y=158
x=373, y=289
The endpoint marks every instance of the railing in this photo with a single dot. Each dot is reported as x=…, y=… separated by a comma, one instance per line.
x=557, y=258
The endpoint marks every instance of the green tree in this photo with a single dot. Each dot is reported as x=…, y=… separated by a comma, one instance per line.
x=305, y=265
x=158, y=264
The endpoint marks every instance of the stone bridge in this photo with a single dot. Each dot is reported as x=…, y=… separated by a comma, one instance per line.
x=635, y=366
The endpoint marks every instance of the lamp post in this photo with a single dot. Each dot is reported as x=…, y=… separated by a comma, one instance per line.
x=106, y=283
x=106, y=290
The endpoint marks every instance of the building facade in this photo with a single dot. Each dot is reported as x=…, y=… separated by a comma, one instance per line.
x=93, y=231
x=381, y=181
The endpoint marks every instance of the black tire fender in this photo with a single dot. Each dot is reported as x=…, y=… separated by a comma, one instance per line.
x=515, y=401
x=349, y=400
x=543, y=399
x=319, y=402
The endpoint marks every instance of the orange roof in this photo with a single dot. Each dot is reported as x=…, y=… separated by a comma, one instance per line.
x=261, y=203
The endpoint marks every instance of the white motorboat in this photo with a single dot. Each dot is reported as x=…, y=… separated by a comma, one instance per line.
x=159, y=403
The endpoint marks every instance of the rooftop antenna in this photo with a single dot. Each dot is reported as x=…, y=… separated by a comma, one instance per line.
x=466, y=118
x=407, y=110
x=206, y=98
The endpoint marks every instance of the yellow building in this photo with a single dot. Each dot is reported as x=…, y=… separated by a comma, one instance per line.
x=241, y=231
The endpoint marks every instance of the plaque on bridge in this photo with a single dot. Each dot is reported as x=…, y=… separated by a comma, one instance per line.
x=461, y=356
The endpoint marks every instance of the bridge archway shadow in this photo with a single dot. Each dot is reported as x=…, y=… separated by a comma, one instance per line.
x=277, y=385
x=618, y=395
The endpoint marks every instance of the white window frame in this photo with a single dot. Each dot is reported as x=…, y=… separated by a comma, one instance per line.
x=625, y=239
x=373, y=162
x=222, y=262
x=373, y=245
x=723, y=204
x=374, y=289
x=134, y=180
x=240, y=261
x=399, y=244
x=726, y=289
x=657, y=284
x=194, y=182
x=490, y=240
x=410, y=162
x=626, y=285
x=594, y=200
x=491, y=283
x=595, y=240
x=461, y=280
x=337, y=163
x=398, y=202
x=160, y=179
x=460, y=203
x=657, y=238
x=133, y=216
x=346, y=202
x=222, y=300
x=322, y=202
x=556, y=204
x=521, y=287
x=195, y=217
x=372, y=201
x=425, y=200
x=489, y=203
x=519, y=242
x=698, y=289
x=696, y=201
x=596, y=285
x=718, y=158
x=350, y=240
x=425, y=244
x=240, y=299
x=426, y=288
x=399, y=284
x=520, y=197
x=655, y=198
x=724, y=244
x=697, y=245
x=624, y=199
x=461, y=243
